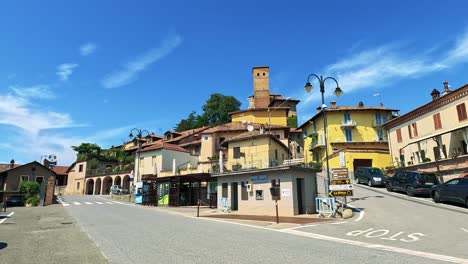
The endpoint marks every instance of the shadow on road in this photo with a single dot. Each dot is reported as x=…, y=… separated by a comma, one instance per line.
x=3, y=245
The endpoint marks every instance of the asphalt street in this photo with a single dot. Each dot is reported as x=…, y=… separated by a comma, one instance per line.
x=136, y=234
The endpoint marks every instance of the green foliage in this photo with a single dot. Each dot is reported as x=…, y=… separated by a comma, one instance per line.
x=292, y=121
x=30, y=191
x=426, y=160
x=315, y=165
x=215, y=112
x=126, y=167
x=87, y=151
x=93, y=164
x=117, y=169
x=108, y=169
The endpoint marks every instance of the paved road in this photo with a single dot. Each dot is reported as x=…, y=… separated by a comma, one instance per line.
x=392, y=221
x=136, y=234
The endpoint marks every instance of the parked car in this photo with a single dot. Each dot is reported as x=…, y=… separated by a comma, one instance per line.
x=117, y=189
x=370, y=176
x=15, y=200
x=455, y=190
x=411, y=182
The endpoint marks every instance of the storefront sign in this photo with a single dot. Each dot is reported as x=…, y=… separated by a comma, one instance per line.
x=259, y=179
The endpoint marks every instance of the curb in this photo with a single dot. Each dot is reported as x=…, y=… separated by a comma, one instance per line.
x=454, y=209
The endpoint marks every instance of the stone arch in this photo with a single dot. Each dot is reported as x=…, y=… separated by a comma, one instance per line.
x=126, y=182
x=97, y=188
x=117, y=180
x=106, y=185
x=89, y=186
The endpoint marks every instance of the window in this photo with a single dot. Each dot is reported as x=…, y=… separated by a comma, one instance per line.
x=258, y=194
x=298, y=149
x=349, y=135
x=39, y=179
x=220, y=140
x=24, y=178
x=315, y=126
x=415, y=129
x=236, y=152
x=276, y=154
x=437, y=122
x=77, y=186
x=378, y=119
x=263, y=74
x=80, y=168
x=347, y=117
x=453, y=182
x=409, y=132
x=398, y=135
x=224, y=191
x=464, y=182
x=461, y=111
x=153, y=160
x=380, y=134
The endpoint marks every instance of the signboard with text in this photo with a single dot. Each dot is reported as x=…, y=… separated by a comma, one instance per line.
x=341, y=193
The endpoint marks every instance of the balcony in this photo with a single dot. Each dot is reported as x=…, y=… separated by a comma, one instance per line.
x=318, y=145
x=348, y=124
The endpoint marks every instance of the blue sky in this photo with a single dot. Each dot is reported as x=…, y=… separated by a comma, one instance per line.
x=89, y=71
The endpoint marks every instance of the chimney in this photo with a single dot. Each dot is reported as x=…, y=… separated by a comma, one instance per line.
x=435, y=94
x=261, y=84
x=12, y=164
x=319, y=109
x=361, y=104
x=332, y=104
x=446, y=88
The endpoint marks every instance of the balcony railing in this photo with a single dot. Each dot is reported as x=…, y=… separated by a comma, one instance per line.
x=316, y=146
x=348, y=124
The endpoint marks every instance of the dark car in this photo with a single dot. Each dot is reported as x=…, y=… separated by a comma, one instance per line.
x=411, y=182
x=455, y=190
x=15, y=200
x=370, y=176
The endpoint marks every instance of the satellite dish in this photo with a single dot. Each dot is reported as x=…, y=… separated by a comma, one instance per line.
x=250, y=128
x=243, y=121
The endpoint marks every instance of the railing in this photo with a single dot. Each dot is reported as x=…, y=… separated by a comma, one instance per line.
x=348, y=123
x=101, y=172
x=317, y=145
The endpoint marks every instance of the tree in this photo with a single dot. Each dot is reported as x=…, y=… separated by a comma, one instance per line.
x=87, y=151
x=215, y=112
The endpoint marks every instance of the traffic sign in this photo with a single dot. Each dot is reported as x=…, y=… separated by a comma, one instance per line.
x=339, y=182
x=341, y=193
x=341, y=187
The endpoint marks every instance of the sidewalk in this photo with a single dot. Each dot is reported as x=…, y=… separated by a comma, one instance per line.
x=44, y=235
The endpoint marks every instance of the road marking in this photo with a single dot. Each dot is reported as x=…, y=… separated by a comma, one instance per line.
x=118, y=202
x=88, y=203
x=3, y=220
x=339, y=223
x=98, y=202
x=109, y=203
x=65, y=204
x=404, y=251
x=466, y=230
x=76, y=203
x=361, y=213
x=297, y=227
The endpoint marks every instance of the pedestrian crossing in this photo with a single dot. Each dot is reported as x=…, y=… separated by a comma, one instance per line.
x=72, y=203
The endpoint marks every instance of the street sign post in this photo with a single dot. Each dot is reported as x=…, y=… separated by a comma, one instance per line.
x=341, y=193
x=341, y=187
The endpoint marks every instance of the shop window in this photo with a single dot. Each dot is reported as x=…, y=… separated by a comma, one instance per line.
x=258, y=194
x=224, y=191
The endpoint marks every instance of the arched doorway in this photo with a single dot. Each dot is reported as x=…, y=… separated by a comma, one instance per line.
x=126, y=182
x=89, y=186
x=106, y=185
x=117, y=181
x=97, y=188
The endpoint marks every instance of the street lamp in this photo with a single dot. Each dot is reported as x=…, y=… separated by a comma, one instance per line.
x=138, y=135
x=271, y=111
x=338, y=92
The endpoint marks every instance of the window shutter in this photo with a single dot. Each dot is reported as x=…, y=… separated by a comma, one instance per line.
x=409, y=131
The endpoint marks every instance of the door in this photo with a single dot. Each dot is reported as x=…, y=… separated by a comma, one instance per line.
x=300, y=198
x=234, y=197
x=361, y=163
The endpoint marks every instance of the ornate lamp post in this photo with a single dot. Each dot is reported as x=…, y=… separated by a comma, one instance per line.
x=338, y=92
x=138, y=135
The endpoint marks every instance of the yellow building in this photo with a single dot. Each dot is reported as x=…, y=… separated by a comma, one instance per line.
x=255, y=150
x=356, y=137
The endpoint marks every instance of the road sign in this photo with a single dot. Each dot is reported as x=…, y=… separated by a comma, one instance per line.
x=342, y=187
x=341, y=193
x=340, y=174
x=339, y=182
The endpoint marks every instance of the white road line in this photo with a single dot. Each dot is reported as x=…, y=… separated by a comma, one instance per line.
x=76, y=203
x=65, y=204
x=361, y=213
x=118, y=202
x=109, y=203
x=466, y=230
x=378, y=247
x=3, y=220
x=88, y=203
x=98, y=202
x=297, y=227
x=339, y=223
x=404, y=251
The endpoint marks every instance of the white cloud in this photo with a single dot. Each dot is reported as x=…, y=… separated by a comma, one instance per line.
x=131, y=69
x=41, y=91
x=87, y=49
x=65, y=70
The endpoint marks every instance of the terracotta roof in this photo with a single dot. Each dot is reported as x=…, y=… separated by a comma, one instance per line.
x=239, y=126
x=164, y=145
x=260, y=109
x=198, y=141
x=349, y=108
x=252, y=135
x=186, y=133
x=60, y=170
